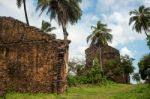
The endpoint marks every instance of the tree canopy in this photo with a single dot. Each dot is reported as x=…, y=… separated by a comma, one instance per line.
x=64, y=11
x=46, y=26
x=140, y=19
x=144, y=67
x=100, y=35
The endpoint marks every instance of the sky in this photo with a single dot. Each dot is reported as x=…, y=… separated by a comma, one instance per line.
x=115, y=13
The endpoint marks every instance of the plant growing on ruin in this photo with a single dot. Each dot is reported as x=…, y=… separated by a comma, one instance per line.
x=46, y=27
x=100, y=37
x=19, y=4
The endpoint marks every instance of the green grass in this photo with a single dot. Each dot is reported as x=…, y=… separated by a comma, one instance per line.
x=138, y=92
x=112, y=91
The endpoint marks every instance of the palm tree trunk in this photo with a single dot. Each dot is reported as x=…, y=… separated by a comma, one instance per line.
x=25, y=10
x=66, y=45
x=65, y=34
x=146, y=34
x=100, y=57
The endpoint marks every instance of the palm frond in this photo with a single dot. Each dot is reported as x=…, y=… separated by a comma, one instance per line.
x=46, y=26
x=100, y=35
x=134, y=12
x=133, y=19
x=19, y=3
x=141, y=8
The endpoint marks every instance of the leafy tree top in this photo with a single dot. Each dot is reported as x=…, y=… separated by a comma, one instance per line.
x=100, y=35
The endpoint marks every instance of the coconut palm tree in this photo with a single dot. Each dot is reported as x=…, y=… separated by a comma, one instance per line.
x=64, y=11
x=46, y=27
x=19, y=4
x=100, y=37
x=140, y=19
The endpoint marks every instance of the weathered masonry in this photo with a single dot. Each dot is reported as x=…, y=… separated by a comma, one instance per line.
x=30, y=60
x=107, y=53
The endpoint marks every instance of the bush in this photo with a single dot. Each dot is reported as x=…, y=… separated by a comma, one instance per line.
x=144, y=68
x=92, y=76
x=71, y=80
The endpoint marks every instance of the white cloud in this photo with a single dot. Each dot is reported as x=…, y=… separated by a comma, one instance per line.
x=126, y=51
x=114, y=14
x=86, y=4
x=121, y=31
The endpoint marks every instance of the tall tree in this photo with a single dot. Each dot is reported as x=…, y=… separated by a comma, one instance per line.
x=19, y=4
x=64, y=11
x=140, y=19
x=144, y=67
x=46, y=27
x=100, y=37
x=126, y=65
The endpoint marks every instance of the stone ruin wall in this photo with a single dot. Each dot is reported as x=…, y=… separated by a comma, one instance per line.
x=12, y=30
x=108, y=53
x=30, y=60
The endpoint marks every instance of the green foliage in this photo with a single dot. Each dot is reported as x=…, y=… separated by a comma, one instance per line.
x=127, y=64
x=136, y=77
x=148, y=41
x=113, y=67
x=63, y=11
x=19, y=3
x=46, y=27
x=100, y=35
x=141, y=19
x=93, y=75
x=71, y=80
x=119, y=66
x=144, y=67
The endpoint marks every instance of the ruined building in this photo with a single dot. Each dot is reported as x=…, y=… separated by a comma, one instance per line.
x=107, y=53
x=30, y=60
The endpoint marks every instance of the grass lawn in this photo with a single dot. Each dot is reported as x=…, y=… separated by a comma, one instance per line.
x=112, y=91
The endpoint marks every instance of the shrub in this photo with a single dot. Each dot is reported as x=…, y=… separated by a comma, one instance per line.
x=71, y=80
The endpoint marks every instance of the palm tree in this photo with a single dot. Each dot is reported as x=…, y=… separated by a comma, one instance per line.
x=46, y=27
x=140, y=19
x=19, y=4
x=64, y=11
x=100, y=37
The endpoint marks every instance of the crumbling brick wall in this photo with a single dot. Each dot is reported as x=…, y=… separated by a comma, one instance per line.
x=30, y=60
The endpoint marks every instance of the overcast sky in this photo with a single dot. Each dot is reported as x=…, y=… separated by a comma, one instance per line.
x=115, y=13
